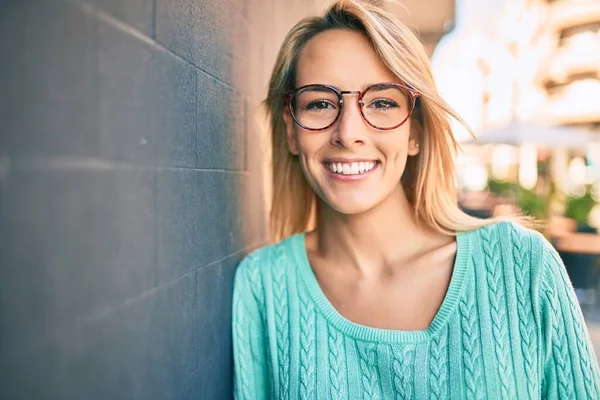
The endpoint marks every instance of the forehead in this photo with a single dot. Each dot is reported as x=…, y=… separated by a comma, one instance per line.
x=341, y=58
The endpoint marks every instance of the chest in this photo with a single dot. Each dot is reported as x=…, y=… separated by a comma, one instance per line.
x=316, y=355
x=331, y=365
x=405, y=301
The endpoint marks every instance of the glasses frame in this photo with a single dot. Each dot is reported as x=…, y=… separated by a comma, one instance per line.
x=412, y=93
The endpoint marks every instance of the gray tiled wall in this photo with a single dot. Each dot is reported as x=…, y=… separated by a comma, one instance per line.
x=131, y=176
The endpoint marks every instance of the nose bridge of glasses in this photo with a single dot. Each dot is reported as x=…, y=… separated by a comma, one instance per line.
x=350, y=92
x=357, y=92
x=343, y=118
x=343, y=92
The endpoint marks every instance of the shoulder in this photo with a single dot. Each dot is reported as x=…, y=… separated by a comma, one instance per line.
x=512, y=244
x=263, y=262
x=510, y=236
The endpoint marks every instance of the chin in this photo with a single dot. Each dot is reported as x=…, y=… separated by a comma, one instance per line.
x=353, y=210
x=351, y=207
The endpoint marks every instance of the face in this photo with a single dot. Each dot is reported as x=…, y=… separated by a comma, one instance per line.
x=371, y=161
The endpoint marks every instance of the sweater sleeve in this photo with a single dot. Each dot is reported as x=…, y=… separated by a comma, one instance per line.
x=570, y=368
x=249, y=347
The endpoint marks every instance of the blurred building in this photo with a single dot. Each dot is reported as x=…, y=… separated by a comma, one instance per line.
x=529, y=60
x=571, y=73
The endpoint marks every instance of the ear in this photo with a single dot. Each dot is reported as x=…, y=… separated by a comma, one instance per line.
x=413, y=146
x=289, y=131
x=414, y=140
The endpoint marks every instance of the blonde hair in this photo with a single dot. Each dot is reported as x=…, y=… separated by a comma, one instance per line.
x=429, y=178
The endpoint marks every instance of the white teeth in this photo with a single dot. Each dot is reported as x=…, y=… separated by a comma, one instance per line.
x=354, y=168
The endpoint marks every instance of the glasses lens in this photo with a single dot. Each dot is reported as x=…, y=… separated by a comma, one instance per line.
x=386, y=106
x=315, y=107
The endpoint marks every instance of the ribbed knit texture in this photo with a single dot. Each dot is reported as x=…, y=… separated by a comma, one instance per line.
x=509, y=328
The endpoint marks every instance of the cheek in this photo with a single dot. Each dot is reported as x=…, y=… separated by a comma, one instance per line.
x=308, y=150
x=310, y=143
x=395, y=155
x=394, y=148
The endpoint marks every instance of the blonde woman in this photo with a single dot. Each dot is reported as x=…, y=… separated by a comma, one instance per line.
x=380, y=287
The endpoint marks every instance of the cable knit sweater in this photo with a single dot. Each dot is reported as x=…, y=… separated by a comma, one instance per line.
x=509, y=328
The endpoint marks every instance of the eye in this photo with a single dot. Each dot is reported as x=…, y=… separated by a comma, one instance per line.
x=320, y=104
x=383, y=104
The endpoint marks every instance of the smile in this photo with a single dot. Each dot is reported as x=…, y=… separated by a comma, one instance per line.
x=353, y=168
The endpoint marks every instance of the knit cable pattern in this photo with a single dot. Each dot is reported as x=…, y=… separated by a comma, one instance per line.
x=509, y=295
x=471, y=351
x=580, y=335
x=521, y=249
x=307, y=348
x=560, y=352
x=438, y=366
x=369, y=370
x=244, y=356
x=493, y=265
x=403, y=359
x=336, y=361
x=281, y=314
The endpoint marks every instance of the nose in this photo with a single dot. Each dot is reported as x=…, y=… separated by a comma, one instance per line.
x=350, y=129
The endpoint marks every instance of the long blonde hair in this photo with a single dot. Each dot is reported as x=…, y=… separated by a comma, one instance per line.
x=429, y=178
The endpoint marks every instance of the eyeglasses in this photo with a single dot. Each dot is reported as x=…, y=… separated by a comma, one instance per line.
x=384, y=106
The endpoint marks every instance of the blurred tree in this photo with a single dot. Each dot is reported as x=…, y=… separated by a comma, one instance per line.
x=579, y=208
x=529, y=201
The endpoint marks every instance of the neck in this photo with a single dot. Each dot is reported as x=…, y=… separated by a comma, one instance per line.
x=375, y=241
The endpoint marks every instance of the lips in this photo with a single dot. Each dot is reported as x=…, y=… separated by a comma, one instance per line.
x=352, y=168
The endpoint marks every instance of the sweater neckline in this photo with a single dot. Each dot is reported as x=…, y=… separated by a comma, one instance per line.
x=371, y=334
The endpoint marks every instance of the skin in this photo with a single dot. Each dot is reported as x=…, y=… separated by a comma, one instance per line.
x=372, y=261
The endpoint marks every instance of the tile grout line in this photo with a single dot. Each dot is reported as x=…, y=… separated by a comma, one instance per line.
x=111, y=20
x=67, y=162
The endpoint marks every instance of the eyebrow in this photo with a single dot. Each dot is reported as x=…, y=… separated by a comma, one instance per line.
x=341, y=90
x=323, y=89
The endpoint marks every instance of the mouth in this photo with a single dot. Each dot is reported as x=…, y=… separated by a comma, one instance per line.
x=351, y=169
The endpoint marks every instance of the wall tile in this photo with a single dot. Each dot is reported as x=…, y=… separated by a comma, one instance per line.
x=214, y=283
x=198, y=220
x=49, y=100
x=76, y=244
x=199, y=31
x=147, y=101
x=221, y=125
x=145, y=350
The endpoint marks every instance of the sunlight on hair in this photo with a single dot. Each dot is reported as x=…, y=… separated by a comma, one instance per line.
x=429, y=180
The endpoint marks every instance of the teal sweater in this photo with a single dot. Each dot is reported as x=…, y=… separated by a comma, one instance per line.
x=509, y=327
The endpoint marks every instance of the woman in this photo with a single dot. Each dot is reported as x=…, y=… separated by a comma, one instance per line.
x=381, y=287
